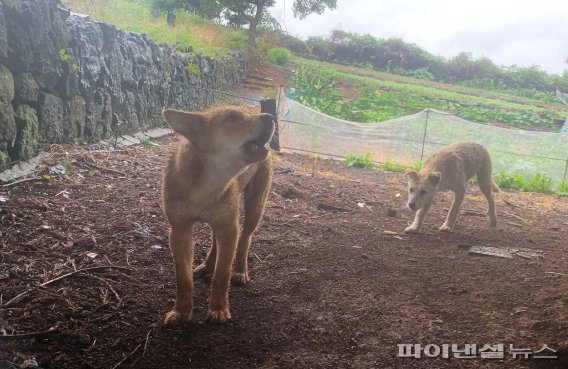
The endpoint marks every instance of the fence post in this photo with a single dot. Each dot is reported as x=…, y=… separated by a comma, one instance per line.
x=424, y=135
x=269, y=106
x=566, y=169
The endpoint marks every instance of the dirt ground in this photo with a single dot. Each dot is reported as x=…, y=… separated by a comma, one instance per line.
x=335, y=284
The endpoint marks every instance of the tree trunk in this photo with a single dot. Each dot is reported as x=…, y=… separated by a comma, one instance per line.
x=254, y=23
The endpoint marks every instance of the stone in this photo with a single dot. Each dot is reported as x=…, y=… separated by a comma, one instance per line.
x=26, y=145
x=76, y=113
x=71, y=79
x=7, y=126
x=3, y=35
x=50, y=114
x=6, y=84
x=5, y=161
x=26, y=88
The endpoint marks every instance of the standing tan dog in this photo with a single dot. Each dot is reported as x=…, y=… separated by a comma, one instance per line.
x=221, y=154
x=449, y=169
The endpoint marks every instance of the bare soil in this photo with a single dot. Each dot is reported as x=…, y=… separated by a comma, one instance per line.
x=334, y=287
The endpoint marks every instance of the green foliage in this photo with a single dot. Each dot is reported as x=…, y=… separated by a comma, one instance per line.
x=279, y=55
x=416, y=166
x=382, y=99
x=396, y=56
x=537, y=183
x=362, y=161
x=392, y=166
x=316, y=88
x=192, y=68
x=303, y=8
x=148, y=142
x=63, y=56
x=562, y=187
x=170, y=5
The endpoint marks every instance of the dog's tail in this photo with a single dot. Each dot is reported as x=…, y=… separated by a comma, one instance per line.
x=494, y=186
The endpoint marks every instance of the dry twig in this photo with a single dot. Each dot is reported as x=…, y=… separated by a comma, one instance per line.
x=22, y=181
x=10, y=337
x=127, y=357
x=25, y=293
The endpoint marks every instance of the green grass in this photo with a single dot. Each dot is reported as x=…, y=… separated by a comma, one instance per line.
x=191, y=31
x=540, y=183
x=366, y=161
x=148, y=142
x=279, y=55
x=360, y=161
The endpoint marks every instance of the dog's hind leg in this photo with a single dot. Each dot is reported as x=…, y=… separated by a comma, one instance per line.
x=255, y=198
x=486, y=185
x=181, y=244
x=208, y=266
x=226, y=232
x=453, y=214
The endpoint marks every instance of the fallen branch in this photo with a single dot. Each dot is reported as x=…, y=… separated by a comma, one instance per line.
x=22, y=181
x=473, y=213
x=516, y=217
x=515, y=224
x=146, y=343
x=93, y=166
x=127, y=357
x=511, y=204
x=90, y=269
x=11, y=337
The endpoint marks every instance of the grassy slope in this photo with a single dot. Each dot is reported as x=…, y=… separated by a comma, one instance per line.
x=202, y=35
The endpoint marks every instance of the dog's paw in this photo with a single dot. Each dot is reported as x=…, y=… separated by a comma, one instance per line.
x=493, y=223
x=240, y=278
x=202, y=271
x=218, y=316
x=446, y=228
x=175, y=317
x=411, y=229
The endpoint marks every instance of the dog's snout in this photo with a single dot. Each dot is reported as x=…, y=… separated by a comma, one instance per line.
x=412, y=205
x=266, y=118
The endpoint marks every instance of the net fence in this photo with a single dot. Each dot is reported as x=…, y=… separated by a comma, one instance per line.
x=413, y=138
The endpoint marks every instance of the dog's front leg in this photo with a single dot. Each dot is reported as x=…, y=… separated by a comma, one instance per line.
x=416, y=225
x=181, y=244
x=459, y=195
x=227, y=235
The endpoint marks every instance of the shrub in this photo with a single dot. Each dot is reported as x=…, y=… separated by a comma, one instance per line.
x=562, y=187
x=279, y=55
x=363, y=161
x=537, y=183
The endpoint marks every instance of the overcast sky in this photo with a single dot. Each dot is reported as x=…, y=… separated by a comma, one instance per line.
x=509, y=32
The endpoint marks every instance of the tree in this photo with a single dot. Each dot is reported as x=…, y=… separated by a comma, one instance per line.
x=255, y=12
x=240, y=13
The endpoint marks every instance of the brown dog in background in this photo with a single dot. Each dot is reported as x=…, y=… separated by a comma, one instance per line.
x=449, y=169
x=221, y=155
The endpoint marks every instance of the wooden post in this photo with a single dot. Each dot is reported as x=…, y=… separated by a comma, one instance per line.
x=171, y=19
x=269, y=106
x=424, y=135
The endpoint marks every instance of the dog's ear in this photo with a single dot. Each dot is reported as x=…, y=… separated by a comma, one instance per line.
x=185, y=123
x=434, y=177
x=411, y=174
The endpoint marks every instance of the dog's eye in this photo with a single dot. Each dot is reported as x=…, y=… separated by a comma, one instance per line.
x=423, y=192
x=411, y=190
x=233, y=117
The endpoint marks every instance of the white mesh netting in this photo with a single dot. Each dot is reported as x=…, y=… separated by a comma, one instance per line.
x=409, y=139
